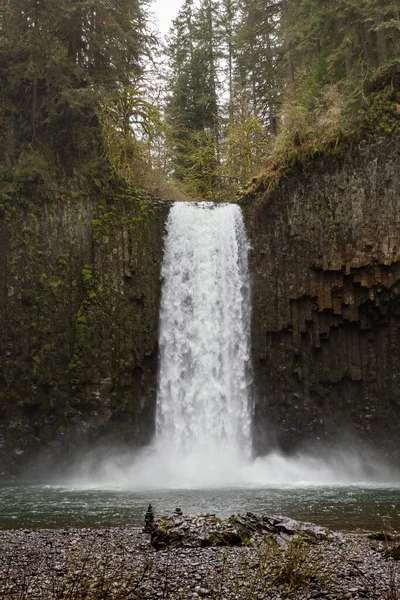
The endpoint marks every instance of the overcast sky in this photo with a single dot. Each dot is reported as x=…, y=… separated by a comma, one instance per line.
x=165, y=11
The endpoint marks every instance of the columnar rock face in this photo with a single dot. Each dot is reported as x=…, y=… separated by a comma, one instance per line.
x=79, y=303
x=79, y=300
x=325, y=262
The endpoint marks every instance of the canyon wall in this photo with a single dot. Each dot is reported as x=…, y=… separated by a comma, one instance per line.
x=325, y=262
x=79, y=296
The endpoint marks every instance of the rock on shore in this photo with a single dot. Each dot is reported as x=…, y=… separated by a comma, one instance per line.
x=246, y=557
x=181, y=531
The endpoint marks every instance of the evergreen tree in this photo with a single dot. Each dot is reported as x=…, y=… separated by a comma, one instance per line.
x=259, y=63
x=192, y=108
x=245, y=78
x=339, y=43
x=228, y=25
x=62, y=63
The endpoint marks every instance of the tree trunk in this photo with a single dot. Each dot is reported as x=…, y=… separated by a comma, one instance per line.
x=74, y=39
x=366, y=34
x=381, y=46
x=229, y=33
x=291, y=80
x=35, y=82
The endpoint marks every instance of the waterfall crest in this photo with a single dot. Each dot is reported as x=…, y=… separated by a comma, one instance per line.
x=204, y=401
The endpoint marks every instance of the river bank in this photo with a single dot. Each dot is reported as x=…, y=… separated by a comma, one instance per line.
x=294, y=561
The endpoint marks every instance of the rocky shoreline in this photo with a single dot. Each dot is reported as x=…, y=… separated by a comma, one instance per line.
x=246, y=557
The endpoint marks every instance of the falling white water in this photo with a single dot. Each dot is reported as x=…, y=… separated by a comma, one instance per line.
x=204, y=403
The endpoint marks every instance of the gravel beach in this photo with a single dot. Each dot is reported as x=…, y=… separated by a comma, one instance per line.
x=123, y=563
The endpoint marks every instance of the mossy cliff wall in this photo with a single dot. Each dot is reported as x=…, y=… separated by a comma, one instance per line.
x=325, y=262
x=79, y=296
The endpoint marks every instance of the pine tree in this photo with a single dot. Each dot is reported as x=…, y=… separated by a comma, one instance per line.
x=62, y=62
x=259, y=63
x=192, y=108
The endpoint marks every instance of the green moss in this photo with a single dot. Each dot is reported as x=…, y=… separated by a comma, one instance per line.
x=100, y=327
x=87, y=275
x=383, y=77
x=299, y=373
x=62, y=260
x=379, y=113
x=164, y=523
x=129, y=210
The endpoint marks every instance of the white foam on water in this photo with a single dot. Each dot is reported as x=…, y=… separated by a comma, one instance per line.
x=160, y=467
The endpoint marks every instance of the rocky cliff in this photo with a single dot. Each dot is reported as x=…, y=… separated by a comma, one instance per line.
x=79, y=297
x=325, y=261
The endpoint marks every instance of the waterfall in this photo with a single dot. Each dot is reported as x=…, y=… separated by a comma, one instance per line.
x=204, y=402
x=204, y=406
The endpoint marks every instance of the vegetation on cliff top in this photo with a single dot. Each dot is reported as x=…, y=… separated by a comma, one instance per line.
x=334, y=130
x=258, y=85
x=73, y=106
x=252, y=87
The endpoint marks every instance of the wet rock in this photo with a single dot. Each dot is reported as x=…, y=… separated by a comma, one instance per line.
x=319, y=283
x=149, y=520
x=209, y=531
x=196, y=532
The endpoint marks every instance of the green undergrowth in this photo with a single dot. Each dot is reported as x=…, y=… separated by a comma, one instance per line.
x=339, y=124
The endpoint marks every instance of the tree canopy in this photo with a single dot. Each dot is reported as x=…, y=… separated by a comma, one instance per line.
x=255, y=79
x=70, y=71
x=246, y=83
